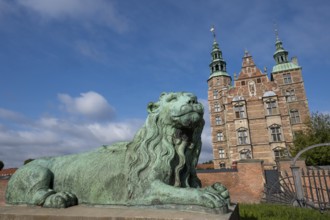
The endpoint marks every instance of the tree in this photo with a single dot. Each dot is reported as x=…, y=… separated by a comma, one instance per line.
x=1, y=165
x=317, y=132
x=28, y=161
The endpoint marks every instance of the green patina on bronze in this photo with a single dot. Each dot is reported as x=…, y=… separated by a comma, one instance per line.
x=156, y=168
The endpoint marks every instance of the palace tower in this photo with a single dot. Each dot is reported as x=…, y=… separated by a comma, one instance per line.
x=254, y=116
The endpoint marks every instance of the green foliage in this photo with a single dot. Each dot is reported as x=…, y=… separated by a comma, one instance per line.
x=1, y=165
x=28, y=161
x=318, y=131
x=278, y=212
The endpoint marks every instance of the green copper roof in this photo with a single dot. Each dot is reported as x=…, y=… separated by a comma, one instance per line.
x=219, y=73
x=284, y=67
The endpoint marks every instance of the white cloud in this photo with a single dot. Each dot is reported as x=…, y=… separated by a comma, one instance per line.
x=90, y=104
x=101, y=12
x=207, y=151
x=11, y=115
x=52, y=136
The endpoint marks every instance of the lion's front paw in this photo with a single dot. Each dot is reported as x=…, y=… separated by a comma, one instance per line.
x=220, y=190
x=211, y=200
x=61, y=200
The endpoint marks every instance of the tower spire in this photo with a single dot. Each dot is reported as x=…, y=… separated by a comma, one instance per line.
x=280, y=55
x=218, y=64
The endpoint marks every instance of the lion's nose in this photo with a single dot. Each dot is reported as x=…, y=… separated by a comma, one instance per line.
x=192, y=100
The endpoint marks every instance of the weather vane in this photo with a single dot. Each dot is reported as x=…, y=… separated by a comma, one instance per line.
x=276, y=31
x=213, y=31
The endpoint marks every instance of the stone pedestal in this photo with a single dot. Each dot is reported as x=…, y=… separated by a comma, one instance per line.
x=105, y=213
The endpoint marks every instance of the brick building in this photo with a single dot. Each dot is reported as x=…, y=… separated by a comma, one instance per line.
x=254, y=116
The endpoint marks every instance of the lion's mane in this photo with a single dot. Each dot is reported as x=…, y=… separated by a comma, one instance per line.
x=157, y=153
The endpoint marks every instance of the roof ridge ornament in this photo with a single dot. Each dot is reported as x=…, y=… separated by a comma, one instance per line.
x=213, y=32
x=276, y=31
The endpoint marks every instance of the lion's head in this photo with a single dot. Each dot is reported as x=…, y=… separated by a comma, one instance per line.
x=167, y=147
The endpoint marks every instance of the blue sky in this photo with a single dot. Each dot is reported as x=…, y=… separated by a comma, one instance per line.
x=76, y=74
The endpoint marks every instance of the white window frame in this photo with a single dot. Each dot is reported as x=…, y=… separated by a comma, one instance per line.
x=215, y=94
x=271, y=107
x=287, y=79
x=222, y=153
x=275, y=133
x=290, y=95
x=239, y=111
x=220, y=136
x=217, y=107
x=218, y=120
x=242, y=136
x=294, y=116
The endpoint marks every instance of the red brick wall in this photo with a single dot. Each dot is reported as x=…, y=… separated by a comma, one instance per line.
x=245, y=186
x=3, y=186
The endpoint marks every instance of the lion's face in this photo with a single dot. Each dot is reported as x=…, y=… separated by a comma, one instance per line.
x=181, y=110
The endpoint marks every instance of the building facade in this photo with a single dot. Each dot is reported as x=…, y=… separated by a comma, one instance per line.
x=254, y=116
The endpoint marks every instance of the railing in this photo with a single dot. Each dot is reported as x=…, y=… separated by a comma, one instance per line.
x=309, y=187
x=316, y=187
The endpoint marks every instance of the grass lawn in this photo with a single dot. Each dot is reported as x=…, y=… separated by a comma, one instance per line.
x=279, y=212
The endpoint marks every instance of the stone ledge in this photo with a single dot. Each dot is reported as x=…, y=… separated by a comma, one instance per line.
x=105, y=213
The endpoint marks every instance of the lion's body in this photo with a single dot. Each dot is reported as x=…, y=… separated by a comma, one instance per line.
x=98, y=183
x=157, y=167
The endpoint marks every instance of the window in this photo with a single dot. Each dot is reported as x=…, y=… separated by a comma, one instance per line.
x=290, y=95
x=215, y=94
x=239, y=111
x=222, y=165
x=258, y=80
x=287, y=78
x=220, y=136
x=242, y=136
x=217, y=107
x=221, y=153
x=280, y=152
x=294, y=116
x=243, y=83
x=218, y=120
x=275, y=131
x=245, y=154
x=271, y=107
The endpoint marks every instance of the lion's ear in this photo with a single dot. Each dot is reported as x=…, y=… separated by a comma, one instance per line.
x=152, y=107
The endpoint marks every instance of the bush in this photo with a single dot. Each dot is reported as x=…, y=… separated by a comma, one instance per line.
x=279, y=212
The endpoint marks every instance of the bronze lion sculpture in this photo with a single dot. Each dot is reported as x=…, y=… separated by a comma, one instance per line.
x=156, y=168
